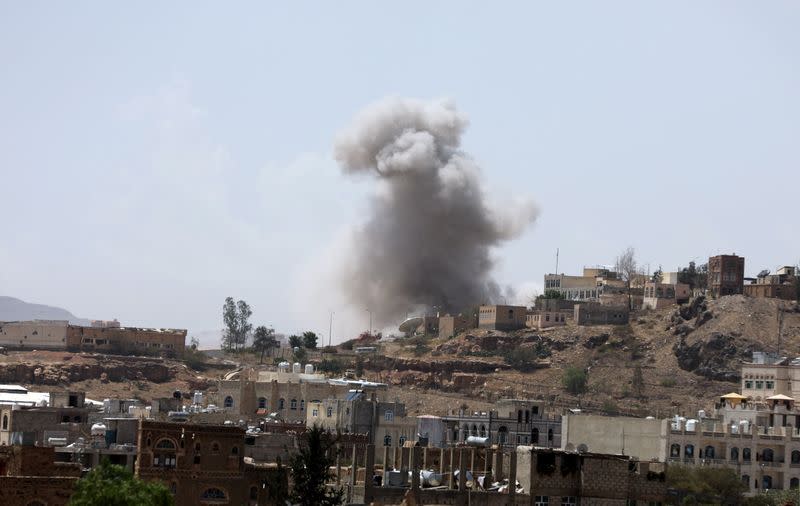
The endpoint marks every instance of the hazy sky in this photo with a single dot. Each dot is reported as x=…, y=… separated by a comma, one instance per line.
x=157, y=157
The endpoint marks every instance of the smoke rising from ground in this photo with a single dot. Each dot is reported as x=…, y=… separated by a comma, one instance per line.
x=429, y=234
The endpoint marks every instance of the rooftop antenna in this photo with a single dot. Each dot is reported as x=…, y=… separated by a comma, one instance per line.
x=556, y=260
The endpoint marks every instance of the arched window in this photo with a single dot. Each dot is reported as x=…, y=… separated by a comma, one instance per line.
x=519, y=416
x=213, y=494
x=281, y=403
x=709, y=452
x=228, y=403
x=330, y=412
x=387, y=440
x=235, y=450
x=794, y=483
x=767, y=455
x=535, y=435
x=293, y=404
x=746, y=454
x=735, y=454
x=164, y=453
x=483, y=431
x=675, y=450
x=688, y=451
x=262, y=402
x=402, y=440
x=302, y=404
x=527, y=416
x=474, y=429
x=795, y=457
x=766, y=482
x=502, y=434
x=5, y=422
x=165, y=444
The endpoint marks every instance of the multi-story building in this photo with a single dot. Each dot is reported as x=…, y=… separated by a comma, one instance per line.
x=591, y=286
x=203, y=464
x=286, y=393
x=513, y=422
x=660, y=295
x=65, y=417
x=30, y=476
x=725, y=275
x=502, y=317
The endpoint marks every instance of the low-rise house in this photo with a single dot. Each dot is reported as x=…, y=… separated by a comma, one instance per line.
x=499, y=317
x=545, y=319
x=781, y=285
x=452, y=325
x=597, y=314
x=64, y=417
x=661, y=295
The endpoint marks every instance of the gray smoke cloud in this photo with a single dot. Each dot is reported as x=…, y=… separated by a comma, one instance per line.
x=430, y=230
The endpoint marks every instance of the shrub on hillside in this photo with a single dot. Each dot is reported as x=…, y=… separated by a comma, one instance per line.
x=574, y=380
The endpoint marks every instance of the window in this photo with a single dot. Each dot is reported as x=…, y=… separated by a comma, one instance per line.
x=228, y=403
x=734, y=454
x=770, y=385
x=293, y=404
x=748, y=384
x=709, y=452
x=688, y=451
x=281, y=403
x=262, y=402
x=766, y=482
x=387, y=440
x=388, y=415
x=746, y=480
x=402, y=440
x=794, y=483
x=5, y=422
x=483, y=431
x=330, y=412
x=746, y=454
x=768, y=455
x=502, y=434
x=675, y=450
x=569, y=500
x=235, y=450
x=795, y=457
x=759, y=385
x=213, y=494
x=550, y=435
x=535, y=436
x=302, y=404
x=164, y=454
x=315, y=412
x=541, y=500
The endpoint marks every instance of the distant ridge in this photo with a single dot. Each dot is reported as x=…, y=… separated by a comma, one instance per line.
x=12, y=309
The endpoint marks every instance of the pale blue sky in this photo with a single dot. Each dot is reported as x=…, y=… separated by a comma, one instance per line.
x=156, y=157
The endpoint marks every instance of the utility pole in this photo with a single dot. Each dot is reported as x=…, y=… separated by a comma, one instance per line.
x=330, y=330
x=556, y=261
x=370, y=321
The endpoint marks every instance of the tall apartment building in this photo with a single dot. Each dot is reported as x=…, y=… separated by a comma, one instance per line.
x=726, y=275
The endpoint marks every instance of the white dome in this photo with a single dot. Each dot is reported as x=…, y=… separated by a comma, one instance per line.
x=98, y=429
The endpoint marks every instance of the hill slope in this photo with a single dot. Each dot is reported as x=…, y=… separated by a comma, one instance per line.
x=12, y=309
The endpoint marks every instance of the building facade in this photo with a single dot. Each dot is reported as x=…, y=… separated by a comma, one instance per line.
x=202, y=464
x=661, y=295
x=30, y=476
x=726, y=275
x=597, y=314
x=502, y=317
x=35, y=334
x=109, y=339
x=65, y=417
x=449, y=326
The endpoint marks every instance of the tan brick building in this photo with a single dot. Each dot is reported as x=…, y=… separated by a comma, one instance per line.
x=452, y=325
x=204, y=464
x=126, y=339
x=502, y=317
x=726, y=275
x=29, y=476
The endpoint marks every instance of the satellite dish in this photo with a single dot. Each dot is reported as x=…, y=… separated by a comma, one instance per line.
x=763, y=273
x=177, y=394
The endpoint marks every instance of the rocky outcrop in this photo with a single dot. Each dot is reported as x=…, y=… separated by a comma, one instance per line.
x=114, y=370
x=716, y=357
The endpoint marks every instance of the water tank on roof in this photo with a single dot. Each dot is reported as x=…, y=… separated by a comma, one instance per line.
x=309, y=368
x=478, y=441
x=283, y=367
x=296, y=367
x=701, y=414
x=691, y=424
x=98, y=429
x=197, y=398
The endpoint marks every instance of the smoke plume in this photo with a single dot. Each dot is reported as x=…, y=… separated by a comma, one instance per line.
x=430, y=231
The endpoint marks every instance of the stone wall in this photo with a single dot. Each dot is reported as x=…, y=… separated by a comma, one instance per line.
x=25, y=490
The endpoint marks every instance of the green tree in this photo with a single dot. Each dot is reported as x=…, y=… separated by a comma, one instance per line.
x=112, y=485
x=264, y=341
x=658, y=276
x=310, y=340
x=300, y=355
x=551, y=293
x=706, y=485
x=574, y=380
x=236, y=317
x=295, y=341
x=310, y=468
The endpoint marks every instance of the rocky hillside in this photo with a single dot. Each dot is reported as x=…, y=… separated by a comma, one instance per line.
x=684, y=356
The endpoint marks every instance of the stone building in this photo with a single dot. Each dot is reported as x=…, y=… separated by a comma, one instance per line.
x=452, y=325
x=502, y=317
x=545, y=319
x=512, y=422
x=105, y=339
x=254, y=393
x=781, y=285
x=725, y=275
x=35, y=334
x=29, y=476
x=554, y=477
x=597, y=314
x=640, y=438
x=203, y=464
x=660, y=295
x=65, y=417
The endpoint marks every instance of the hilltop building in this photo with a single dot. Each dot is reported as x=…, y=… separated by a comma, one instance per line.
x=661, y=295
x=781, y=285
x=499, y=317
x=726, y=275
